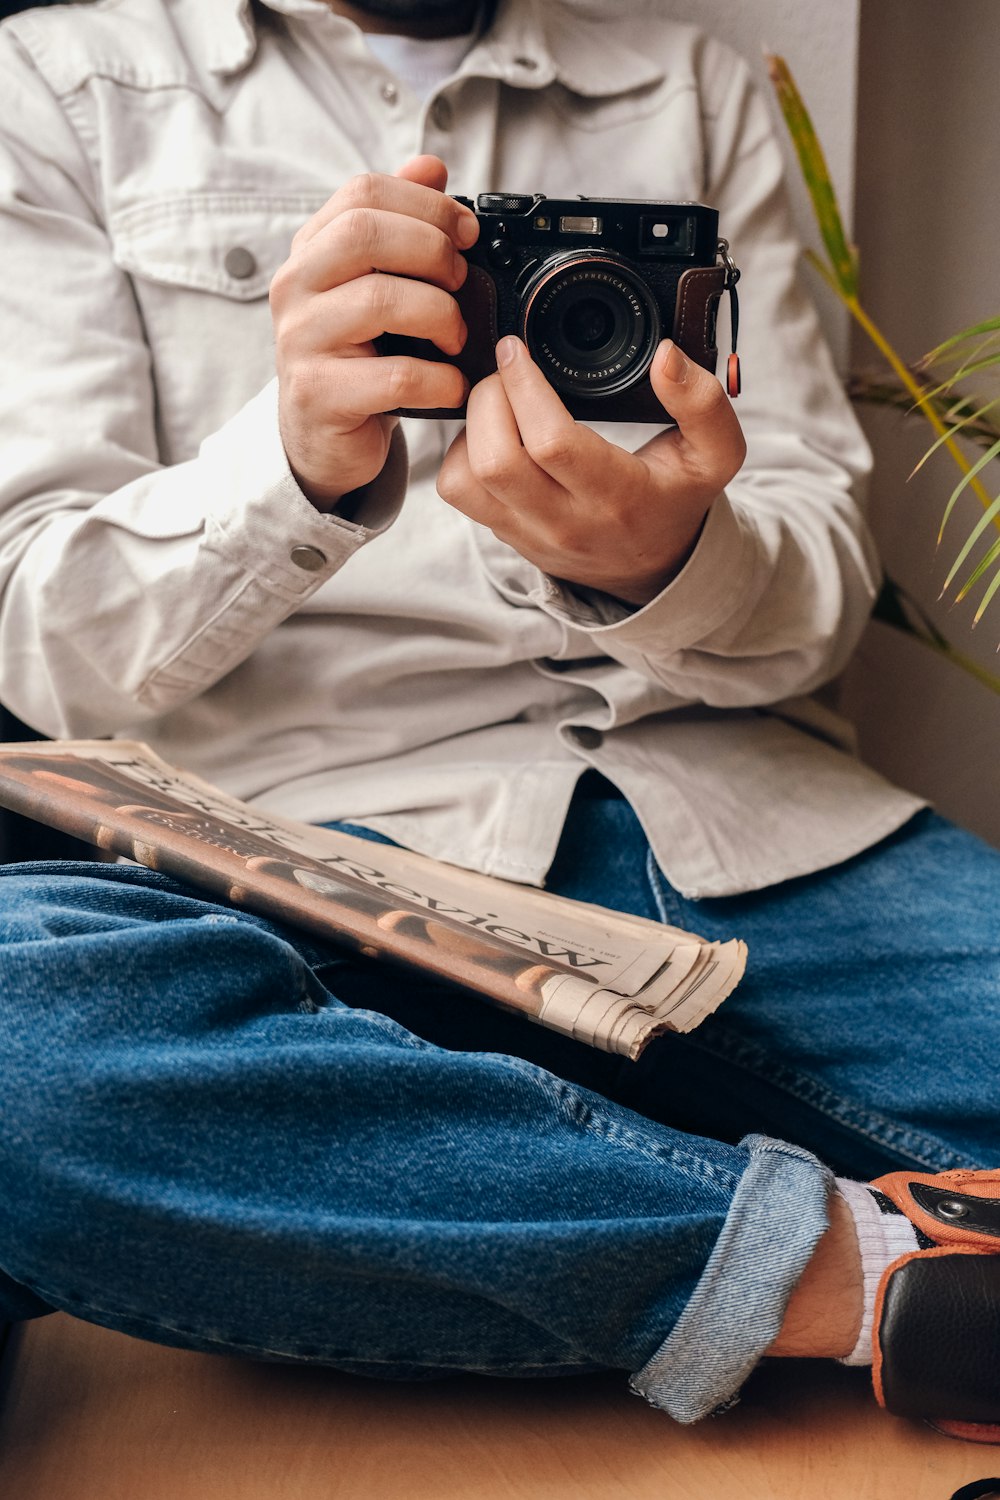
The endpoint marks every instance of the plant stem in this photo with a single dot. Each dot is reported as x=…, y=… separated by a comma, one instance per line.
x=921, y=396
x=967, y=664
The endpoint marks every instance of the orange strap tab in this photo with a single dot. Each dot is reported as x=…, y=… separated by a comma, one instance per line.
x=734, y=383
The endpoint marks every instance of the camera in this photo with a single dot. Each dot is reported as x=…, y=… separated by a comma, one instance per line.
x=591, y=285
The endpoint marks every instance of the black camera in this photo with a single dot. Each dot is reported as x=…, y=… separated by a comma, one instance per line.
x=591, y=285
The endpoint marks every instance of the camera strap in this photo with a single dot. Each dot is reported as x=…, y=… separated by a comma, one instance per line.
x=733, y=380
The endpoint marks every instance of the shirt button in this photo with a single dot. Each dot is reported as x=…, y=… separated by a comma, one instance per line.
x=527, y=63
x=588, y=739
x=310, y=559
x=442, y=114
x=389, y=92
x=240, y=262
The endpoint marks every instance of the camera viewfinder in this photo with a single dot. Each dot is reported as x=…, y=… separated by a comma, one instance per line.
x=666, y=236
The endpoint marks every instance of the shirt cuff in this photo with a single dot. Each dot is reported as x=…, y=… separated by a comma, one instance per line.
x=703, y=595
x=258, y=513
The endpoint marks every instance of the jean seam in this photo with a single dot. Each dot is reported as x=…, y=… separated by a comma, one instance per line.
x=112, y=1317
x=863, y=1123
x=583, y=1112
x=656, y=885
x=809, y=1091
x=384, y=1024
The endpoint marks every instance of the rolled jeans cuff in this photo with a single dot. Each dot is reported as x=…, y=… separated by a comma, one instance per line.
x=777, y=1216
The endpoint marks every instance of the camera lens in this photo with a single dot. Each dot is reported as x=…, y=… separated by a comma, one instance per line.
x=590, y=322
x=588, y=325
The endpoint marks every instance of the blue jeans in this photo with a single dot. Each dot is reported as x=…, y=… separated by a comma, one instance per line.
x=223, y=1135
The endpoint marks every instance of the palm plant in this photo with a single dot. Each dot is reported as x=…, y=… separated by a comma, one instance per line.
x=956, y=388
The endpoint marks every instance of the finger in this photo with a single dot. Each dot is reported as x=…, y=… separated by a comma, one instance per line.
x=428, y=170
x=367, y=386
x=496, y=453
x=711, y=438
x=459, y=487
x=364, y=240
x=415, y=195
x=372, y=305
x=552, y=439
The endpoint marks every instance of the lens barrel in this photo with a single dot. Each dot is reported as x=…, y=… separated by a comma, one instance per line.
x=590, y=322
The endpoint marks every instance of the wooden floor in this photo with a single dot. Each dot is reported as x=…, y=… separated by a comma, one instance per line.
x=91, y=1415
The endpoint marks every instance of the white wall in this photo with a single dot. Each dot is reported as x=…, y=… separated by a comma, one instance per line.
x=819, y=41
x=928, y=225
x=901, y=93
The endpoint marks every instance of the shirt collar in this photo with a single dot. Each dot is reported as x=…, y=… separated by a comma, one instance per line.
x=534, y=42
x=530, y=44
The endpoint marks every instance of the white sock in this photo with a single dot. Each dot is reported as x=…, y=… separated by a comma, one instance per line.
x=882, y=1238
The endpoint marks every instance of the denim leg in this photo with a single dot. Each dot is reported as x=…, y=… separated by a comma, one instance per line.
x=214, y=1108
x=865, y=1029
x=202, y=1146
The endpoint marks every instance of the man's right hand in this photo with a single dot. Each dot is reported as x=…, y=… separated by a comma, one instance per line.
x=382, y=256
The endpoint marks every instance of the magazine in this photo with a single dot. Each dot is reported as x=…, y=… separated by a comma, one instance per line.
x=607, y=978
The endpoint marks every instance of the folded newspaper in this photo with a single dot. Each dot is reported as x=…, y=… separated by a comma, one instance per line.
x=606, y=978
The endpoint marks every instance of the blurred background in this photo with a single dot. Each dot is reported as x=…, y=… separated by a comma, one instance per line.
x=901, y=92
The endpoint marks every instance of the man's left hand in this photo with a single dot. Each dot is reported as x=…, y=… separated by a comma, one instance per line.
x=577, y=506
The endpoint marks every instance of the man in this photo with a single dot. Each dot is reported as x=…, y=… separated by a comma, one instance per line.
x=550, y=652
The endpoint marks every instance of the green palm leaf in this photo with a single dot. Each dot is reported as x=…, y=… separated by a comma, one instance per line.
x=970, y=542
x=965, y=480
x=994, y=585
x=967, y=356
x=989, y=325
x=843, y=257
x=956, y=427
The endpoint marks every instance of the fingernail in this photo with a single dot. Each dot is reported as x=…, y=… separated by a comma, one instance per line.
x=674, y=365
x=507, y=350
x=467, y=232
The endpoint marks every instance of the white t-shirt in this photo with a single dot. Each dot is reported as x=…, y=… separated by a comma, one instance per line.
x=422, y=63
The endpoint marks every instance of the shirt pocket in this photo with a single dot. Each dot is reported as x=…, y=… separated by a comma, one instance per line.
x=201, y=264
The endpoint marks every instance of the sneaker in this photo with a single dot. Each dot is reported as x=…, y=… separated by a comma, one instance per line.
x=937, y=1313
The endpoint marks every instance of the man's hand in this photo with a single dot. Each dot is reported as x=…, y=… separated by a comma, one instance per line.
x=382, y=256
x=577, y=506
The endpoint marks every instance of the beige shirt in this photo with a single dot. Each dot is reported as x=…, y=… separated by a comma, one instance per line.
x=162, y=576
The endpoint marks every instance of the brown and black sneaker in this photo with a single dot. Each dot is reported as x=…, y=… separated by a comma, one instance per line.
x=937, y=1313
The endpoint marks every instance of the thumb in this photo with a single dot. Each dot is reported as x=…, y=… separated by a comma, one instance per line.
x=705, y=418
x=429, y=171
